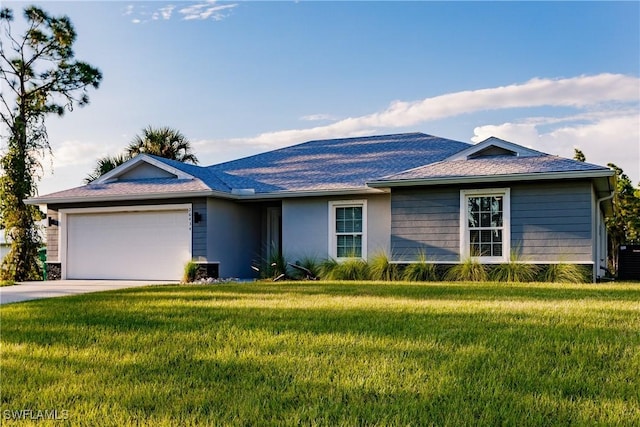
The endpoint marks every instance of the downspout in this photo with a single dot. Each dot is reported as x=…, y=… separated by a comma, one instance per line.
x=598, y=244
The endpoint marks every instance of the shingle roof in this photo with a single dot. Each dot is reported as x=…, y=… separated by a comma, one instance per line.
x=324, y=165
x=335, y=163
x=492, y=166
x=131, y=187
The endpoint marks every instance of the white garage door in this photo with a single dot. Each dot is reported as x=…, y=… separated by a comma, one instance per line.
x=145, y=245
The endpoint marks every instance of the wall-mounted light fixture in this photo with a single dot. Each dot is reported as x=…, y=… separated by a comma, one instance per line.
x=197, y=217
x=51, y=221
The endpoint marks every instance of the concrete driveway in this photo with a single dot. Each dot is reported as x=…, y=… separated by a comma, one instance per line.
x=58, y=288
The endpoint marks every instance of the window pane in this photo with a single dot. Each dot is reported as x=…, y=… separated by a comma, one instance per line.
x=474, y=236
x=497, y=235
x=349, y=246
x=497, y=249
x=485, y=220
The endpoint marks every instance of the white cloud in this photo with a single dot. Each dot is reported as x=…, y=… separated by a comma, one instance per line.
x=317, y=117
x=604, y=139
x=206, y=10
x=604, y=111
x=163, y=13
x=578, y=92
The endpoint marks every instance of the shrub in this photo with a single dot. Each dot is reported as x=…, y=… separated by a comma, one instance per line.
x=420, y=271
x=566, y=273
x=469, y=270
x=381, y=269
x=310, y=263
x=349, y=269
x=190, y=270
x=515, y=271
x=327, y=268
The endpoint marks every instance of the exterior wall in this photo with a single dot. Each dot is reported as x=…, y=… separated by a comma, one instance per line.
x=427, y=221
x=305, y=225
x=550, y=222
x=233, y=238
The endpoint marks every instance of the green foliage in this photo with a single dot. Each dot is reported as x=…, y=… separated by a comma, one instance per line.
x=380, y=268
x=310, y=263
x=327, y=268
x=273, y=265
x=468, y=270
x=515, y=270
x=348, y=269
x=566, y=273
x=420, y=271
x=39, y=77
x=579, y=155
x=162, y=142
x=623, y=226
x=190, y=270
x=328, y=354
x=104, y=165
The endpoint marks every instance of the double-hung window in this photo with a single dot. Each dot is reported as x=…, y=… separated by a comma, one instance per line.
x=348, y=224
x=485, y=224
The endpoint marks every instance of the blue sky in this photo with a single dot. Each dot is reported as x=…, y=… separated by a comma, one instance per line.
x=239, y=78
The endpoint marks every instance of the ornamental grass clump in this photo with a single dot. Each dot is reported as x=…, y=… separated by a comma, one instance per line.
x=469, y=270
x=515, y=271
x=420, y=271
x=349, y=269
x=565, y=273
x=380, y=268
x=189, y=274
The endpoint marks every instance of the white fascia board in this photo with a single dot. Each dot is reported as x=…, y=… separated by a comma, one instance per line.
x=130, y=164
x=491, y=178
x=313, y=193
x=496, y=142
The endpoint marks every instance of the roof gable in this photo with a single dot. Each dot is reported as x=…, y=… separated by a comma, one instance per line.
x=494, y=147
x=143, y=166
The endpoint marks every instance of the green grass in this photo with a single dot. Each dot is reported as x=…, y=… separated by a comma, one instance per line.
x=319, y=353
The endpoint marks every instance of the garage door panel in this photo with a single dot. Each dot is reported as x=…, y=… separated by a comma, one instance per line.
x=148, y=245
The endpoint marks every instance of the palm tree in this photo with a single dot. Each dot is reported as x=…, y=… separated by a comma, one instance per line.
x=104, y=165
x=163, y=142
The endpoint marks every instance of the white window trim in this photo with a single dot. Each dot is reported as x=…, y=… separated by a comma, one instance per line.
x=332, y=225
x=506, y=224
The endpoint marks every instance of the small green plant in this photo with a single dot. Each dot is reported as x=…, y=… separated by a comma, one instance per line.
x=380, y=268
x=7, y=283
x=420, y=271
x=565, y=273
x=190, y=270
x=348, y=269
x=515, y=270
x=327, y=268
x=468, y=270
x=310, y=263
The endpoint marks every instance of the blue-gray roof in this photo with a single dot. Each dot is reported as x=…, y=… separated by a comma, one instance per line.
x=494, y=166
x=347, y=164
x=335, y=163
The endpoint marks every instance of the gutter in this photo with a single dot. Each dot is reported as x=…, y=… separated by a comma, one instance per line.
x=490, y=178
x=237, y=195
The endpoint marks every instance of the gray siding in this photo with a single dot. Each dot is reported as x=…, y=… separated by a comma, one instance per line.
x=199, y=230
x=427, y=221
x=552, y=222
x=305, y=225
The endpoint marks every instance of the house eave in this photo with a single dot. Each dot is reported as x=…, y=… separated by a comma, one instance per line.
x=124, y=197
x=491, y=178
x=313, y=193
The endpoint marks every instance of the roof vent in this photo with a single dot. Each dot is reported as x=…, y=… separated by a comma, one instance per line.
x=243, y=191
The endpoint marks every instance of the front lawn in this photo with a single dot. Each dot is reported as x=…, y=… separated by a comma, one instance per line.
x=317, y=353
